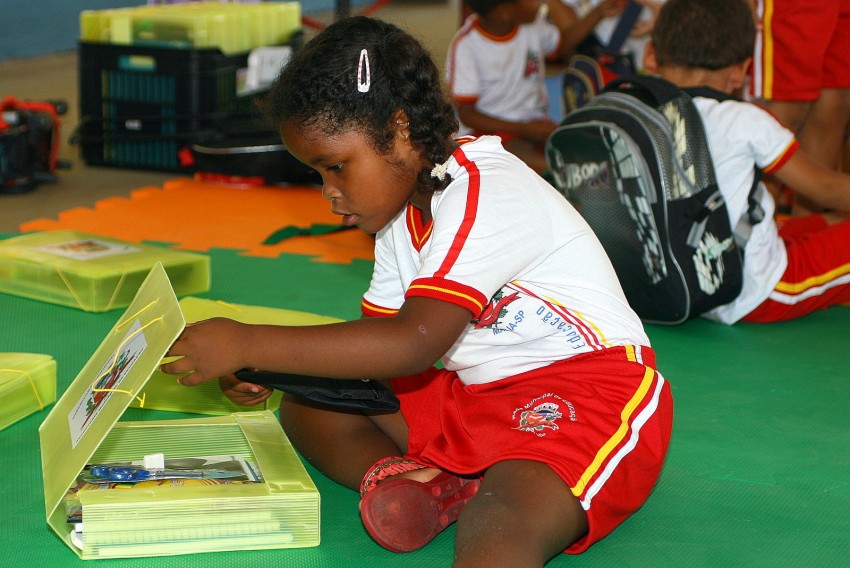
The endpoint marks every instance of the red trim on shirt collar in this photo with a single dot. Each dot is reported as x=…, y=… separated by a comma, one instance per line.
x=507, y=37
x=419, y=230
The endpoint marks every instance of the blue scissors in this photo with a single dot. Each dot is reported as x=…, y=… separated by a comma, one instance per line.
x=103, y=473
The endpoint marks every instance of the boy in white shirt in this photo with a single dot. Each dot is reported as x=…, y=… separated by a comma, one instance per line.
x=804, y=265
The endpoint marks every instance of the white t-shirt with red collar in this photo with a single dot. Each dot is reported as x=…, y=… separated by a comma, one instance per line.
x=503, y=76
x=507, y=246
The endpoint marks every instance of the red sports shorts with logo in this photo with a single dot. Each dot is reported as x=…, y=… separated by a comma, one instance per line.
x=803, y=46
x=601, y=421
x=818, y=272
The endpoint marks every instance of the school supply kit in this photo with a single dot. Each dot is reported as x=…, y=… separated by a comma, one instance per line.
x=122, y=489
x=635, y=162
x=91, y=272
x=27, y=385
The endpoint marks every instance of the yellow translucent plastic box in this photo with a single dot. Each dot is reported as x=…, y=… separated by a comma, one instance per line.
x=163, y=392
x=91, y=272
x=230, y=27
x=82, y=428
x=27, y=385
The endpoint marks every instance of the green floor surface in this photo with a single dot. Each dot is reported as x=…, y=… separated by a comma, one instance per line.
x=758, y=472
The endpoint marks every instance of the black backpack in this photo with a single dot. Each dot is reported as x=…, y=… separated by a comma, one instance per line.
x=636, y=164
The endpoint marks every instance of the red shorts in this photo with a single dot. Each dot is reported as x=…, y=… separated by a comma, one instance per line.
x=803, y=47
x=601, y=421
x=818, y=273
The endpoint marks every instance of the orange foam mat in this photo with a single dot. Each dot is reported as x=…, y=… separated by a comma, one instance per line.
x=197, y=216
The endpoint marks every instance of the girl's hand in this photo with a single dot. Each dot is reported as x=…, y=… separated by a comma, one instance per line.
x=210, y=349
x=240, y=392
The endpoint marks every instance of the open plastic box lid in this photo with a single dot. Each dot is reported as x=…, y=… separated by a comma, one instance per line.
x=113, y=377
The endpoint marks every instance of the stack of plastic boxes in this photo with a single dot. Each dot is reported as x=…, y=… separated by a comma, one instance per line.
x=152, y=77
x=27, y=385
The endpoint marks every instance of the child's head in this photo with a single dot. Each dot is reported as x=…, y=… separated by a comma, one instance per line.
x=363, y=74
x=509, y=11
x=701, y=34
x=484, y=7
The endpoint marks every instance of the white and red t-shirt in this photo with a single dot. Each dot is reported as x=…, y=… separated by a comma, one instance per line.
x=503, y=76
x=741, y=135
x=507, y=246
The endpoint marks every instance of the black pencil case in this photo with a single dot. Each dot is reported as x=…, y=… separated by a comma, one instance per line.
x=342, y=394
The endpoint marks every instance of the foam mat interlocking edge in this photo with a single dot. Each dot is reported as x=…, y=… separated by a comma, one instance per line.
x=197, y=216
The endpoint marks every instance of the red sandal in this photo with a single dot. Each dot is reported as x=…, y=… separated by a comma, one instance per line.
x=403, y=514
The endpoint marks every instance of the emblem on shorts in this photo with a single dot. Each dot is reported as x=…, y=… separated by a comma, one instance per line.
x=541, y=415
x=539, y=418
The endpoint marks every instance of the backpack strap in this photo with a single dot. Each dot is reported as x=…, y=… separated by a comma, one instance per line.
x=651, y=90
x=628, y=19
x=755, y=212
x=709, y=93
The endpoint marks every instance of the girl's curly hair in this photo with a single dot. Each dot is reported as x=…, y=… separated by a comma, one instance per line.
x=319, y=88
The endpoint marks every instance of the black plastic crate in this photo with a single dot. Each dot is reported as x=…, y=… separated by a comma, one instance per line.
x=141, y=105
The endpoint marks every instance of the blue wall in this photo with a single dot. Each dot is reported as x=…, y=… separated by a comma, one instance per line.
x=54, y=25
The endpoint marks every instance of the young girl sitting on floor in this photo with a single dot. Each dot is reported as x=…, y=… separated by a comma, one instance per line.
x=547, y=424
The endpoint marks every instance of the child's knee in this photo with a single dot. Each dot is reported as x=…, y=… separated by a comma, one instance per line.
x=526, y=505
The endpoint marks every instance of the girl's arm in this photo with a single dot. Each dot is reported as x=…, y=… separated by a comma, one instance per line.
x=371, y=348
x=826, y=187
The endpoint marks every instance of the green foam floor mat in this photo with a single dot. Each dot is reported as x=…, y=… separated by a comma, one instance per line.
x=758, y=472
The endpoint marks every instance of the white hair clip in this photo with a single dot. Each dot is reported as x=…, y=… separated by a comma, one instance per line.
x=440, y=170
x=363, y=86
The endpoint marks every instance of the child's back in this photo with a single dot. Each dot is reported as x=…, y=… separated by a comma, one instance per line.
x=709, y=45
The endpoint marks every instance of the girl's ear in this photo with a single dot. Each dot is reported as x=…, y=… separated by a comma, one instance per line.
x=401, y=123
